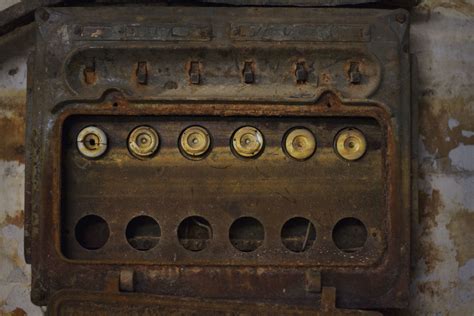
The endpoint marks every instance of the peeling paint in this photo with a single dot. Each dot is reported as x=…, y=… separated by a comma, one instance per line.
x=12, y=188
x=442, y=276
x=462, y=157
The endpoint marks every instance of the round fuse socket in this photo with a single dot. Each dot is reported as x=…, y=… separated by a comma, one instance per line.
x=247, y=142
x=195, y=142
x=91, y=142
x=300, y=143
x=350, y=144
x=143, y=141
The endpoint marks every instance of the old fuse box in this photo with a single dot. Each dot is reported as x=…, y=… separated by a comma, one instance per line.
x=219, y=160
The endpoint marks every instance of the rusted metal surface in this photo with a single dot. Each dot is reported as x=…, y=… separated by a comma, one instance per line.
x=21, y=12
x=353, y=215
x=70, y=302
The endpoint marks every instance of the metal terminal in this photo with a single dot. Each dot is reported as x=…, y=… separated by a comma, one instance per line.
x=194, y=73
x=355, y=76
x=91, y=142
x=300, y=143
x=142, y=72
x=90, y=76
x=126, y=281
x=143, y=141
x=195, y=141
x=247, y=142
x=301, y=73
x=249, y=76
x=350, y=144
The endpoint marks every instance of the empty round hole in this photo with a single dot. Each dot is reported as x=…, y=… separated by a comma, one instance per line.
x=246, y=234
x=143, y=233
x=298, y=234
x=194, y=233
x=92, y=232
x=349, y=234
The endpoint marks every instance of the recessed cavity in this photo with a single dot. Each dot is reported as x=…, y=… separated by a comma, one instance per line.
x=194, y=233
x=92, y=232
x=298, y=234
x=349, y=234
x=143, y=233
x=246, y=234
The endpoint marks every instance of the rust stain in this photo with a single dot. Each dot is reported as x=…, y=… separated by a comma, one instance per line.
x=459, y=5
x=12, y=125
x=438, y=138
x=430, y=288
x=429, y=207
x=16, y=220
x=16, y=312
x=460, y=231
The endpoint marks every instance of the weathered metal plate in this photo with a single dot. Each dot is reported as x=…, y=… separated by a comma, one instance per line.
x=170, y=68
x=70, y=302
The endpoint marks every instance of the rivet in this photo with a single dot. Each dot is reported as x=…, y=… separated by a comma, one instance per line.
x=91, y=142
x=350, y=144
x=195, y=141
x=300, y=143
x=401, y=18
x=143, y=141
x=247, y=142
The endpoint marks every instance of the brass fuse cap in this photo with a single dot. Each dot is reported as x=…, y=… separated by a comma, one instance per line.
x=91, y=142
x=300, y=143
x=143, y=141
x=195, y=141
x=350, y=144
x=247, y=142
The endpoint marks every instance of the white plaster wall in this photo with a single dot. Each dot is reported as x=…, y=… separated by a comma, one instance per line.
x=443, y=241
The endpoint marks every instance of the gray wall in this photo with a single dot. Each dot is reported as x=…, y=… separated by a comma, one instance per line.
x=443, y=240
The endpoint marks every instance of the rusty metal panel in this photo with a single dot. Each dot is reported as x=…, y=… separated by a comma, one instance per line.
x=251, y=154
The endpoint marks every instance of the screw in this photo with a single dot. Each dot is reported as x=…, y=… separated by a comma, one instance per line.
x=401, y=18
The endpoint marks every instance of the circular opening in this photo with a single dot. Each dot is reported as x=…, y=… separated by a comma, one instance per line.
x=194, y=233
x=298, y=234
x=246, y=234
x=92, y=232
x=349, y=234
x=143, y=233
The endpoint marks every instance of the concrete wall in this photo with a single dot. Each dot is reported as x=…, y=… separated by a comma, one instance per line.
x=443, y=240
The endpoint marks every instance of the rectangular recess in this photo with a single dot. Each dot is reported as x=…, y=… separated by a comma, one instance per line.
x=272, y=188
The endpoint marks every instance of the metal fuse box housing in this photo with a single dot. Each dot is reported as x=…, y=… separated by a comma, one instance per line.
x=171, y=68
